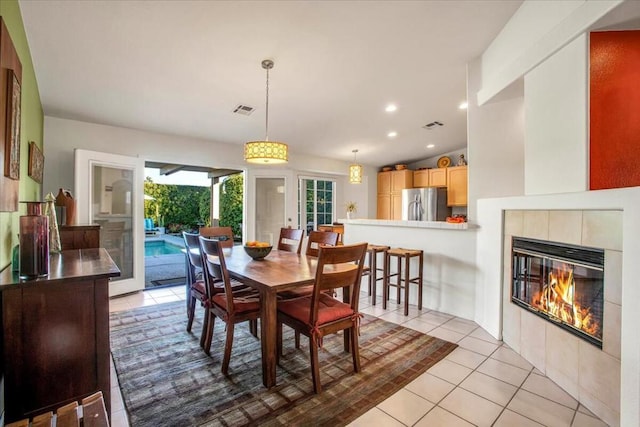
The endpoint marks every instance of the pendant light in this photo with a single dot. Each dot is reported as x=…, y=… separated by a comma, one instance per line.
x=266, y=152
x=355, y=170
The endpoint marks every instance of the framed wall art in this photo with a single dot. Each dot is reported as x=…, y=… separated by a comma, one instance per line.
x=36, y=162
x=12, y=139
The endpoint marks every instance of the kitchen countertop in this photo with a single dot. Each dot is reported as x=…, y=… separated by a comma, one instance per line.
x=411, y=224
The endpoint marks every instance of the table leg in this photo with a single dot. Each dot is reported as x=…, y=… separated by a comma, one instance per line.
x=268, y=327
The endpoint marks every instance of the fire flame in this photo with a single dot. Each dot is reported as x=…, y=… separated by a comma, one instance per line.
x=557, y=299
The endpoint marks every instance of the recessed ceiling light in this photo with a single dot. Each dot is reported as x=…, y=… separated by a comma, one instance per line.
x=390, y=108
x=392, y=134
x=430, y=145
x=463, y=106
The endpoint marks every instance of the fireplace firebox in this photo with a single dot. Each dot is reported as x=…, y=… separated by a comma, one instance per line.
x=562, y=283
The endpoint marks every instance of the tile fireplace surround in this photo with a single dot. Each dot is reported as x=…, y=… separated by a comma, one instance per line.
x=590, y=375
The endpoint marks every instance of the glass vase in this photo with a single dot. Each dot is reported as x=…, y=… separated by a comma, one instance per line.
x=34, y=242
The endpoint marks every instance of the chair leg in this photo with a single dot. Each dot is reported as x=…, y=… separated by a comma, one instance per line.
x=421, y=260
x=407, y=267
x=355, y=349
x=297, y=339
x=191, y=308
x=227, y=347
x=253, y=327
x=315, y=369
x=208, y=332
x=399, y=278
x=385, y=281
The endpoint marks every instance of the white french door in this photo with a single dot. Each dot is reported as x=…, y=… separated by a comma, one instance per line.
x=109, y=192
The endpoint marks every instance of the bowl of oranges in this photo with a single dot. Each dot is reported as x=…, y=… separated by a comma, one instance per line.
x=257, y=250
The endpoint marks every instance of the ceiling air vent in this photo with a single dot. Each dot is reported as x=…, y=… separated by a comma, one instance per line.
x=245, y=110
x=433, y=125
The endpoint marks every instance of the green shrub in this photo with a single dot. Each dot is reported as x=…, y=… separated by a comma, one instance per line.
x=177, y=205
x=231, y=192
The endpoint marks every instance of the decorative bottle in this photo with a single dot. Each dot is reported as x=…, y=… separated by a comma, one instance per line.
x=55, y=245
x=34, y=242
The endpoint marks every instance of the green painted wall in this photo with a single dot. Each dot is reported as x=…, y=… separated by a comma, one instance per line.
x=31, y=128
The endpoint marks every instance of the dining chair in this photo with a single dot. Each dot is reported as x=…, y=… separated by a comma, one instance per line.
x=320, y=313
x=290, y=240
x=230, y=306
x=317, y=238
x=196, y=290
x=195, y=281
x=223, y=234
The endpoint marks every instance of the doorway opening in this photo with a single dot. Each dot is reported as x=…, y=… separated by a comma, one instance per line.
x=181, y=198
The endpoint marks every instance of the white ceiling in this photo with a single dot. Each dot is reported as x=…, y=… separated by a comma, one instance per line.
x=181, y=67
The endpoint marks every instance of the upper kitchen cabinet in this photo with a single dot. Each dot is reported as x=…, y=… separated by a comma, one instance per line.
x=438, y=177
x=457, y=186
x=390, y=186
x=430, y=178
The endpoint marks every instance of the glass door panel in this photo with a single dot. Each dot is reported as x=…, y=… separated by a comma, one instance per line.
x=109, y=193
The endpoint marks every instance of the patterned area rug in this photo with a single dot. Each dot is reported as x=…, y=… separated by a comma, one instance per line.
x=167, y=380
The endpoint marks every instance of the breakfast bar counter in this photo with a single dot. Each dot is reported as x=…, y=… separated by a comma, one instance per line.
x=449, y=266
x=441, y=225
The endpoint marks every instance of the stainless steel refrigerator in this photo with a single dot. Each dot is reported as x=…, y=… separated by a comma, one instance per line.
x=425, y=204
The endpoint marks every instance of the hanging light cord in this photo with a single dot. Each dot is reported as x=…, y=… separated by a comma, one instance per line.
x=266, y=121
x=267, y=64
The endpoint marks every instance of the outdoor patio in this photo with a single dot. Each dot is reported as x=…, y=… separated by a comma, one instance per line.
x=164, y=270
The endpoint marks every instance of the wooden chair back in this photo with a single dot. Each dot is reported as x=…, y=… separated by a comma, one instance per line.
x=223, y=234
x=290, y=240
x=215, y=269
x=317, y=238
x=192, y=245
x=338, y=267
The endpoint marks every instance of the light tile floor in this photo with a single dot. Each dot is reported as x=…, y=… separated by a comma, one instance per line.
x=481, y=383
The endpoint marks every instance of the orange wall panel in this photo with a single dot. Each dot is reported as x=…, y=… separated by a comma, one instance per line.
x=614, y=149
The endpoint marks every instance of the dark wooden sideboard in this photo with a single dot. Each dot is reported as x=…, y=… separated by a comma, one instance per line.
x=55, y=333
x=79, y=236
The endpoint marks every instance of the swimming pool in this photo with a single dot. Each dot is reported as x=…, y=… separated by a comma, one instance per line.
x=161, y=247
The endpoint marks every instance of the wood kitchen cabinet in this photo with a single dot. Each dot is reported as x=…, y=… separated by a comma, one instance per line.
x=55, y=333
x=457, y=186
x=80, y=236
x=421, y=178
x=438, y=177
x=430, y=178
x=390, y=186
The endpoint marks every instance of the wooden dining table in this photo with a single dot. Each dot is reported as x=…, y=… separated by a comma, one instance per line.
x=279, y=271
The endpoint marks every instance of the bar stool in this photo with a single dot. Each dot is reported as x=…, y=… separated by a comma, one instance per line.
x=402, y=280
x=371, y=269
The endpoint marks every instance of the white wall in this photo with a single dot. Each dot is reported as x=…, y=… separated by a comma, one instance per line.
x=63, y=136
x=557, y=120
x=496, y=145
x=536, y=31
